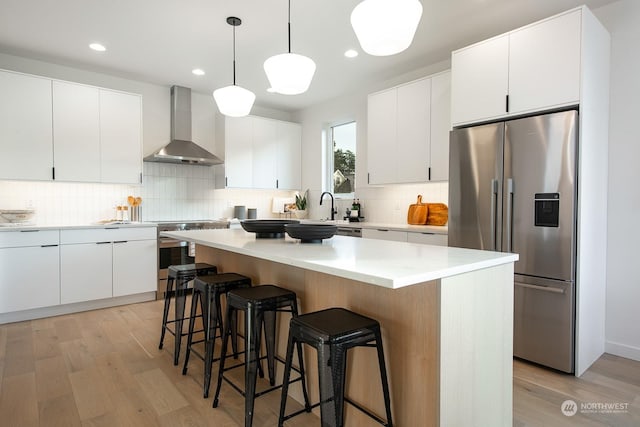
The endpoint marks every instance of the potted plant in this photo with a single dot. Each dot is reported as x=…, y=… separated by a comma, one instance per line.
x=301, y=205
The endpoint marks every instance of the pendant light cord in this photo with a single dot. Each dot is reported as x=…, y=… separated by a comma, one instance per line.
x=289, y=26
x=234, y=55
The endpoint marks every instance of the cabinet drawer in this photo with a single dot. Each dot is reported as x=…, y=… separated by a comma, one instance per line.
x=94, y=235
x=17, y=239
x=428, y=238
x=384, y=234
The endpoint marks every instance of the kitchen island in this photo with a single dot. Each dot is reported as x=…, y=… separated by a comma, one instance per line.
x=446, y=317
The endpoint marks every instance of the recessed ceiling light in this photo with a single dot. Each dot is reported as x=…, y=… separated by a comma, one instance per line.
x=351, y=53
x=198, y=72
x=97, y=47
x=271, y=90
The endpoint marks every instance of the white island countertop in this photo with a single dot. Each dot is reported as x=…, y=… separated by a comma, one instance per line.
x=377, y=262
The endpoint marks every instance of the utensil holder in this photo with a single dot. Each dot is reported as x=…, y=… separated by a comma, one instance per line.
x=135, y=214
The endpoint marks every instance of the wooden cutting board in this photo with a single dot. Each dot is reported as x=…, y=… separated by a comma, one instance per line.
x=438, y=214
x=418, y=212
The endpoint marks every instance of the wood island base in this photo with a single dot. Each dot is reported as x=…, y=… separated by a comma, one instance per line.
x=448, y=342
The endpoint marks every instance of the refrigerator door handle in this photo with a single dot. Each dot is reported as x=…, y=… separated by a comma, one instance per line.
x=509, y=214
x=541, y=288
x=494, y=208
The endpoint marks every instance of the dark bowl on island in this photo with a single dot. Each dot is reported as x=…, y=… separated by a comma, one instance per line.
x=267, y=228
x=311, y=233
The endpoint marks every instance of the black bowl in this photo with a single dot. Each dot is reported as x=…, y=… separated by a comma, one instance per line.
x=311, y=233
x=267, y=228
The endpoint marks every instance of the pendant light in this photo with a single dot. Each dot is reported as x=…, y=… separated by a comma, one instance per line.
x=234, y=101
x=289, y=73
x=386, y=27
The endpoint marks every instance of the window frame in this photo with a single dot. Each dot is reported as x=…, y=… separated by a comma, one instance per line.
x=329, y=160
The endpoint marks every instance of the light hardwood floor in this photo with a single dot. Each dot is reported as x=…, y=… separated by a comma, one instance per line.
x=103, y=368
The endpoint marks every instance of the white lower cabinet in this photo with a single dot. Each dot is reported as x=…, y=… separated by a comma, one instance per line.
x=384, y=234
x=107, y=262
x=134, y=267
x=428, y=238
x=29, y=277
x=85, y=272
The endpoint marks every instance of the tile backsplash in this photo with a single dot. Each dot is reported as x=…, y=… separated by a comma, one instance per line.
x=388, y=204
x=169, y=193
x=65, y=203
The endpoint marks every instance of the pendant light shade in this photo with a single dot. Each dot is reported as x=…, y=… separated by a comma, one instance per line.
x=386, y=27
x=234, y=101
x=289, y=73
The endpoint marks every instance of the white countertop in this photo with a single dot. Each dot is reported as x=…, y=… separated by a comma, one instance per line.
x=377, y=262
x=20, y=227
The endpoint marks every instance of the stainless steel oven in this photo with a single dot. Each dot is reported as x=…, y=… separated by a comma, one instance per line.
x=174, y=252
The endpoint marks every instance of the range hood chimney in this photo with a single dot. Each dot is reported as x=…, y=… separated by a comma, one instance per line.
x=181, y=149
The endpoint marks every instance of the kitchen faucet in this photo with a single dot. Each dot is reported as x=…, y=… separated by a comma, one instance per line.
x=333, y=211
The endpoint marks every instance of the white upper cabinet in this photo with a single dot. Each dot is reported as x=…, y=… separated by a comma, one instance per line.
x=55, y=130
x=238, y=152
x=406, y=127
x=413, y=132
x=120, y=137
x=544, y=64
x=288, y=161
x=381, y=136
x=534, y=68
x=25, y=127
x=479, y=80
x=440, y=126
x=76, y=132
x=262, y=153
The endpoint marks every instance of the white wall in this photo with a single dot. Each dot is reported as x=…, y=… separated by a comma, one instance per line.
x=623, y=282
x=379, y=203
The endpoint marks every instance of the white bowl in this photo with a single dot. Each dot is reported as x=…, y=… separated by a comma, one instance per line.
x=13, y=215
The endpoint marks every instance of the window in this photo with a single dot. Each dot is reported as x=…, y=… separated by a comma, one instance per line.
x=343, y=159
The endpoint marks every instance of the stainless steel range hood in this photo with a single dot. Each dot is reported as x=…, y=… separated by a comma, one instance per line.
x=181, y=149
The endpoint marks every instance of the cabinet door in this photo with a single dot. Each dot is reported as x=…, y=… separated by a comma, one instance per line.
x=544, y=64
x=382, y=137
x=289, y=144
x=414, y=131
x=440, y=126
x=85, y=272
x=76, y=132
x=238, y=152
x=479, y=81
x=120, y=137
x=135, y=267
x=29, y=278
x=25, y=127
x=384, y=234
x=428, y=239
x=264, y=153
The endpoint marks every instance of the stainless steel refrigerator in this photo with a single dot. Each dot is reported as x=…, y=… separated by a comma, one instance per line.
x=513, y=188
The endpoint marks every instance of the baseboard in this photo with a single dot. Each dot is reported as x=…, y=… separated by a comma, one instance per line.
x=622, y=350
x=57, y=310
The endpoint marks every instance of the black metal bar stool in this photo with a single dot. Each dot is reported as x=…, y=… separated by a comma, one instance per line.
x=332, y=332
x=260, y=305
x=181, y=275
x=207, y=291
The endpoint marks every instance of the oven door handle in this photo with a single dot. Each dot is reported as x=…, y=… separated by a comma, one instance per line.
x=171, y=243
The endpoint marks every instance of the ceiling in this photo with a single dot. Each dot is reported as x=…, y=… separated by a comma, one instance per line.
x=161, y=41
